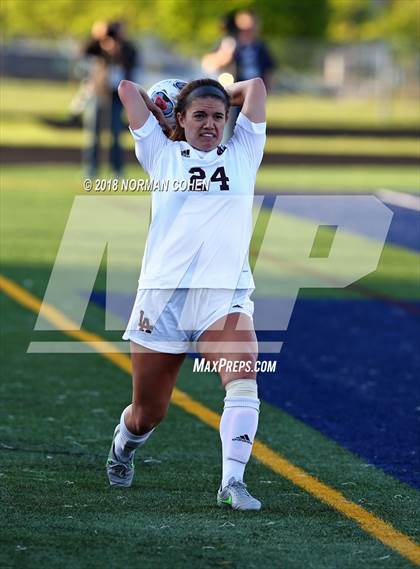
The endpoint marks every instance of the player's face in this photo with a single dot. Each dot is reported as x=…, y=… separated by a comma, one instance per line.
x=203, y=123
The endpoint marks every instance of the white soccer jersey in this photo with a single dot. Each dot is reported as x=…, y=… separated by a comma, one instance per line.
x=200, y=239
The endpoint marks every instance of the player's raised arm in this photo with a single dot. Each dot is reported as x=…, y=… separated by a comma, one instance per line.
x=221, y=57
x=251, y=95
x=138, y=105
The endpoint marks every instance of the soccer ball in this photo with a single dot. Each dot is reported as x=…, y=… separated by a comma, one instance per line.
x=164, y=93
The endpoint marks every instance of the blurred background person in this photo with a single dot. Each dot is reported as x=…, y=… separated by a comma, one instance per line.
x=222, y=58
x=252, y=57
x=241, y=53
x=112, y=58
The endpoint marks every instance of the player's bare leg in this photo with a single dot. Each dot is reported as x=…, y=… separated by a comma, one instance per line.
x=154, y=378
x=233, y=338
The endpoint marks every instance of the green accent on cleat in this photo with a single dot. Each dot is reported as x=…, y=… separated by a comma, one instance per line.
x=236, y=496
x=228, y=501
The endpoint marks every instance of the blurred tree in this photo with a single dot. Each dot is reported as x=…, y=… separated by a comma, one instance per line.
x=195, y=26
x=198, y=23
x=56, y=19
x=347, y=17
x=191, y=25
x=397, y=21
x=294, y=18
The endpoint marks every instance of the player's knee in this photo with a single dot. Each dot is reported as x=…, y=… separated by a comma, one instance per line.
x=245, y=368
x=251, y=360
x=145, y=417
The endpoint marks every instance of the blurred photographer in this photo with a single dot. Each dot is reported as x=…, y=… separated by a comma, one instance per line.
x=112, y=58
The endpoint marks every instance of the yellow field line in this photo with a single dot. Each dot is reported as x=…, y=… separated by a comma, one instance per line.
x=370, y=523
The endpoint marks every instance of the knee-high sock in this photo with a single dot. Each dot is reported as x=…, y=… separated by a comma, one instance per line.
x=126, y=443
x=237, y=431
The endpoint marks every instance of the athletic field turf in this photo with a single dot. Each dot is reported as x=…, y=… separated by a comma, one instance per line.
x=23, y=120
x=336, y=464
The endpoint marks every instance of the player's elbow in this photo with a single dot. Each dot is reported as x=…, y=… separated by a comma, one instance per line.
x=258, y=86
x=123, y=86
x=126, y=88
x=126, y=91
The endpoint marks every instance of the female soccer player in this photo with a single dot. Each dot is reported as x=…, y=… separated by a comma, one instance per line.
x=195, y=281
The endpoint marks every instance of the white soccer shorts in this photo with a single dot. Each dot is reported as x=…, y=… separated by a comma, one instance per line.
x=171, y=321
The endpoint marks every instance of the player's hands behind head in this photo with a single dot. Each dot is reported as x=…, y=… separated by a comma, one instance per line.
x=164, y=123
x=157, y=111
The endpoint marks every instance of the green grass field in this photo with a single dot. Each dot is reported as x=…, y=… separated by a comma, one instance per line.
x=24, y=104
x=59, y=411
x=326, y=179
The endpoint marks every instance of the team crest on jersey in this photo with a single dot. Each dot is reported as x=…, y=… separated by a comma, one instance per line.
x=221, y=149
x=185, y=153
x=144, y=323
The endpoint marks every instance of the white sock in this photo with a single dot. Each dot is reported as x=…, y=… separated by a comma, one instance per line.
x=238, y=426
x=126, y=443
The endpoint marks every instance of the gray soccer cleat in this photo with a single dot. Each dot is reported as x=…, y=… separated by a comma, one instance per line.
x=119, y=473
x=235, y=496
